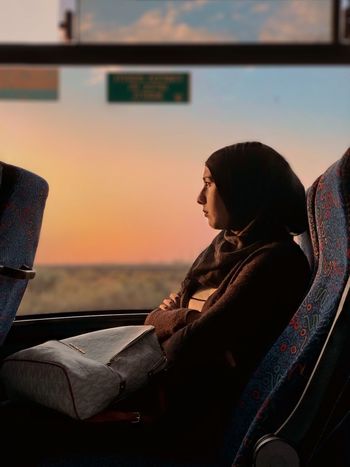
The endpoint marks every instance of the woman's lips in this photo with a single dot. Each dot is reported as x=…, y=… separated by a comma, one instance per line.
x=205, y=213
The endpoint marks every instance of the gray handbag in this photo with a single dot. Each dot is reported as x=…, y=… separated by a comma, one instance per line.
x=82, y=375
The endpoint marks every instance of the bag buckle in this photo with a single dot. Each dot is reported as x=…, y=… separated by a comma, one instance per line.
x=137, y=417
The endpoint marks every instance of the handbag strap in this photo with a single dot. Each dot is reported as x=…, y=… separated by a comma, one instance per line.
x=111, y=415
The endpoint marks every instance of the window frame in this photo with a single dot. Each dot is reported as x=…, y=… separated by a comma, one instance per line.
x=167, y=55
x=333, y=53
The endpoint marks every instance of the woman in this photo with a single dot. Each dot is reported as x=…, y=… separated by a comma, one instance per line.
x=240, y=292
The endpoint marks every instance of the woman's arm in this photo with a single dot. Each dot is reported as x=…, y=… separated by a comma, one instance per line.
x=173, y=301
x=252, y=312
x=168, y=318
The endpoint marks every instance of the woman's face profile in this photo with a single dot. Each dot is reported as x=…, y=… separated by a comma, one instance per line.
x=213, y=205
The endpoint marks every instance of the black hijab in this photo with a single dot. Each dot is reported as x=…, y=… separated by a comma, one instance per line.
x=265, y=200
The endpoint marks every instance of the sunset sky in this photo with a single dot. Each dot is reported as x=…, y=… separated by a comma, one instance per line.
x=124, y=177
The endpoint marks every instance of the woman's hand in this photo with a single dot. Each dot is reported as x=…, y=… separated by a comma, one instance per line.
x=170, y=303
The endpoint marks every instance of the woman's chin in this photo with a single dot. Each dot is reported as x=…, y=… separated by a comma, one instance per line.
x=215, y=225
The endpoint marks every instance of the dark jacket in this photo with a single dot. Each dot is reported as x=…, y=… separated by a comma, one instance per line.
x=212, y=353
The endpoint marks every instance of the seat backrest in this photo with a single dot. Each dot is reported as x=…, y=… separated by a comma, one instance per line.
x=279, y=380
x=308, y=240
x=22, y=201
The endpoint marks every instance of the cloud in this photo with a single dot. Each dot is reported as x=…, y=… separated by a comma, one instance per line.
x=218, y=16
x=191, y=5
x=260, y=7
x=153, y=26
x=236, y=16
x=298, y=21
x=86, y=24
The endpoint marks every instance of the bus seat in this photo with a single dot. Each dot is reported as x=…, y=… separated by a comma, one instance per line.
x=277, y=385
x=22, y=201
x=308, y=240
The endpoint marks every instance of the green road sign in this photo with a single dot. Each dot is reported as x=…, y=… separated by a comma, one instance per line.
x=148, y=87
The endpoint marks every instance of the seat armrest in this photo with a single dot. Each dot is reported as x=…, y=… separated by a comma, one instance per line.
x=272, y=451
x=22, y=273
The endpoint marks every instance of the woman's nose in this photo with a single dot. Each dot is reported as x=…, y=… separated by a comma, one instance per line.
x=201, y=197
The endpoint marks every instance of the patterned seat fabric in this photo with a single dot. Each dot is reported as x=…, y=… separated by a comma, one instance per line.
x=22, y=202
x=308, y=240
x=278, y=382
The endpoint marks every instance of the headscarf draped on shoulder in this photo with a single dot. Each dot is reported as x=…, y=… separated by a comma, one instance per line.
x=265, y=200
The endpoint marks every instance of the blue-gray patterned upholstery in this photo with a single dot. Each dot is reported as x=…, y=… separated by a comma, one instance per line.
x=280, y=379
x=22, y=201
x=308, y=240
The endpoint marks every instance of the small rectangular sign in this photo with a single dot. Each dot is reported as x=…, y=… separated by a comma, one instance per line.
x=29, y=83
x=148, y=87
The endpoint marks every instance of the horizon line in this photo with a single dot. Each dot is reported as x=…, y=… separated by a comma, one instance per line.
x=146, y=263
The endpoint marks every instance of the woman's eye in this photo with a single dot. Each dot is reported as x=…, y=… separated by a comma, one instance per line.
x=207, y=184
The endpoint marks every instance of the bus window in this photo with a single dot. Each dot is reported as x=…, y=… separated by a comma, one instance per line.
x=208, y=21
x=122, y=223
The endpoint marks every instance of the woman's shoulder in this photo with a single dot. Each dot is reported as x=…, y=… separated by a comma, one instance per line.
x=285, y=255
x=278, y=269
x=281, y=248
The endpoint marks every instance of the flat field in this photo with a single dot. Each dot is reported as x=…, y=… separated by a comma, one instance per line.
x=100, y=287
